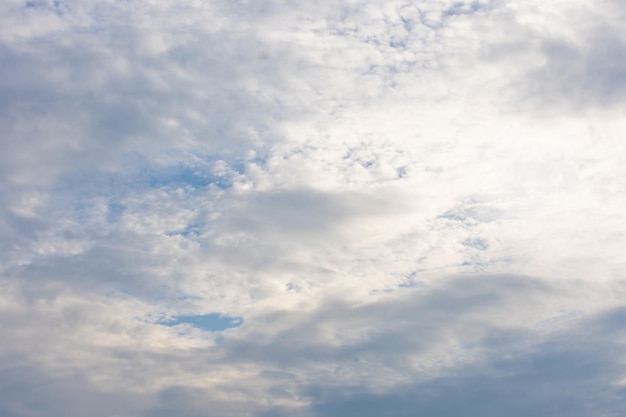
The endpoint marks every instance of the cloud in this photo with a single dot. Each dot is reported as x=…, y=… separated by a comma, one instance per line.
x=368, y=186
x=559, y=376
x=460, y=344
x=26, y=391
x=568, y=59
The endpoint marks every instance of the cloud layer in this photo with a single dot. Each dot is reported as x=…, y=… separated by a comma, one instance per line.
x=410, y=208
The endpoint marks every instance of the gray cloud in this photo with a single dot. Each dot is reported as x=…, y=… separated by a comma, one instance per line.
x=26, y=391
x=568, y=61
x=385, y=332
x=342, y=359
x=581, y=76
x=575, y=373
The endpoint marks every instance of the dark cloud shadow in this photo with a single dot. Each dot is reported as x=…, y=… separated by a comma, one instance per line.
x=578, y=373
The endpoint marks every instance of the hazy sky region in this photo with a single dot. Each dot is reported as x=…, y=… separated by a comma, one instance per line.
x=289, y=208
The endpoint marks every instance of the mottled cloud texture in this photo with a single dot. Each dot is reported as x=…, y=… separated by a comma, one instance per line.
x=312, y=209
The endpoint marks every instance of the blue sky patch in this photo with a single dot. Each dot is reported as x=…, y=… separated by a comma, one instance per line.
x=197, y=177
x=213, y=322
x=114, y=212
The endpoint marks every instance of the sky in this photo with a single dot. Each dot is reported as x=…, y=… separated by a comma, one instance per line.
x=272, y=208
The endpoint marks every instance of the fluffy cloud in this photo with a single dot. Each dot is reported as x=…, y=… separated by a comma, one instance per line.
x=413, y=207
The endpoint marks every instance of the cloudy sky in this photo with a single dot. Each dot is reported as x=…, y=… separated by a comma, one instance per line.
x=287, y=208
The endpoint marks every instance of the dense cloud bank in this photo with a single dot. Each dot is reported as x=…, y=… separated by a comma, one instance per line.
x=281, y=208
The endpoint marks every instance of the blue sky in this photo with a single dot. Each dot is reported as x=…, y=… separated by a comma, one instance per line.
x=286, y=208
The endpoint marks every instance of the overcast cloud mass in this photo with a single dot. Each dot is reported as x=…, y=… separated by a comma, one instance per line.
x=286, y=208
